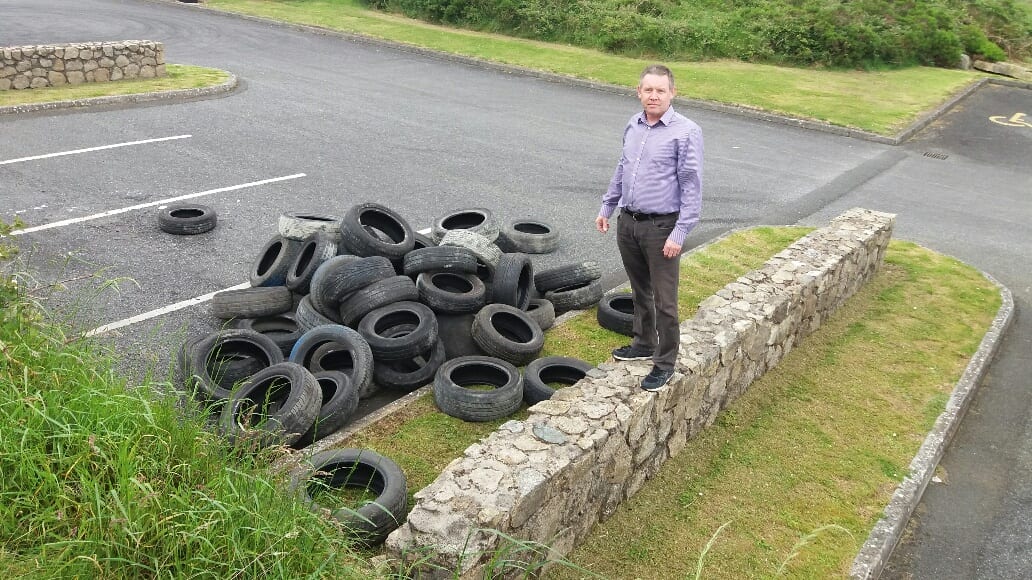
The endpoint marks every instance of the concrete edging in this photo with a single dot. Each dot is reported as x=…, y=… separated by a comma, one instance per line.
x=888, y=531
x=176, y=95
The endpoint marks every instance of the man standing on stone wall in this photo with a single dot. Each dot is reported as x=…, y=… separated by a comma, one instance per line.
x=658, y=188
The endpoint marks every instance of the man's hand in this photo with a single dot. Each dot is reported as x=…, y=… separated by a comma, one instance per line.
x=602, y=224
x=671, y=250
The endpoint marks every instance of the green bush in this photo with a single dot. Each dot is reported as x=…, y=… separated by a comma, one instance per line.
x=977, y=45
x=1006, y=24
x=860, y=33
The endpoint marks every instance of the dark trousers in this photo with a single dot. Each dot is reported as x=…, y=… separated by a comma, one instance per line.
x=654, y=283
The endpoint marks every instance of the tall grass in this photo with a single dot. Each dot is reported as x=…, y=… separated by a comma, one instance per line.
x=100, y=480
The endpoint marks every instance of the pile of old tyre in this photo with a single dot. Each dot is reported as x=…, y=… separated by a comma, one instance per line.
x=339, y=308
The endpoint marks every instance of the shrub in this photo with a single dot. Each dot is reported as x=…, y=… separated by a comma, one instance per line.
x=1006, y=24
x=977, y=45
x=821, y=32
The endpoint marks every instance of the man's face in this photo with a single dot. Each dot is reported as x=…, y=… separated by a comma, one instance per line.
x=655, y=93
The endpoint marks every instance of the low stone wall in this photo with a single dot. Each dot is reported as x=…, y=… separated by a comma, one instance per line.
x=553, y=476
x=52, y=65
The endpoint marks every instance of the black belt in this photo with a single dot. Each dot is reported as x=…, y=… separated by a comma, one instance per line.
x=639, y=216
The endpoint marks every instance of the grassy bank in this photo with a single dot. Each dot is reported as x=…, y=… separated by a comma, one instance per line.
x=180, y=76
x=825, y=437
x=879, y=101
x=100, y=479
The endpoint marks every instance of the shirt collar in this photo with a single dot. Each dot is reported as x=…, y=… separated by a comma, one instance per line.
x=666, y=119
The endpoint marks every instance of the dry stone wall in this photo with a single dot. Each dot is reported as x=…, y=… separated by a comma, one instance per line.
x=52, y=65
x=552, y=477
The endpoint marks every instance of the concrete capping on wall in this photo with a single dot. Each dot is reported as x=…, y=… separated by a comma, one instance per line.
x=52, y=65
x=552, y=477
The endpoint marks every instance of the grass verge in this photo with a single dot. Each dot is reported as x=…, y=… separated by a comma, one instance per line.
x=800, y=468
x=882, y=102
x=179, y=76
x=803, y=464
x=102, y=480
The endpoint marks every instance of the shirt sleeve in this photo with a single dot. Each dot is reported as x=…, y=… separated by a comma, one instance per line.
x=689, y=179
x=612, y=196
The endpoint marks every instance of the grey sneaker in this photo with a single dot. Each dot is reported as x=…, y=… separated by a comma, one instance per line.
x=631, y=352
x=656, y=380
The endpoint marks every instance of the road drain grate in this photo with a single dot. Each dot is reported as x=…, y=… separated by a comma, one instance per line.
x=936, y=155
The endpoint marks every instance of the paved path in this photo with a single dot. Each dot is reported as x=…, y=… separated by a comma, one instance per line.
x=423, y=135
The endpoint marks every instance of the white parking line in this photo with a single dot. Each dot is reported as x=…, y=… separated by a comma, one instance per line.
x=173, y=307
x=163, y=310
x=150, y=204
x=87, y=150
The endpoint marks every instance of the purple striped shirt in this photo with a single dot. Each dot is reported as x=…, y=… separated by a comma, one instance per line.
x=660, y=171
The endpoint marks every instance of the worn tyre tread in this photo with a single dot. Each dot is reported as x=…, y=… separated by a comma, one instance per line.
x=251, y=302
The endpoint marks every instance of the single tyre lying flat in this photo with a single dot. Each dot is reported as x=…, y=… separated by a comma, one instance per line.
x=540, y=374
x=529, y=237
x=187, y=219
x=476, y=219
x=507, y=333
x=497, y=388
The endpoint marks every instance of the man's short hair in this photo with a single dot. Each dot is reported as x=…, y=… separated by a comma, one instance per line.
x=658, y=70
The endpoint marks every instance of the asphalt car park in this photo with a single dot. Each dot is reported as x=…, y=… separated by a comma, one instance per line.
x=361, y=122
x=322, y=123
